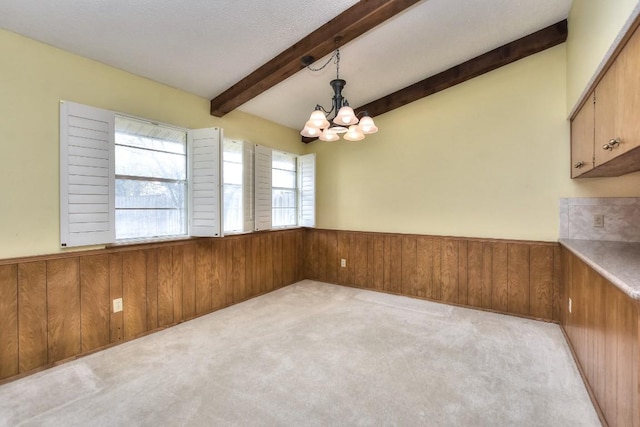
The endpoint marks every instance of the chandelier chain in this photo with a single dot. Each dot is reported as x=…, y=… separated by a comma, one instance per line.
x=336, y=60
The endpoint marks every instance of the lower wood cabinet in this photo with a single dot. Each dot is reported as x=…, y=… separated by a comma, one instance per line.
x=602, y=329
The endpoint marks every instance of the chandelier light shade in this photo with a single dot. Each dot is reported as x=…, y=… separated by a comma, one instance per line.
x=345, y=120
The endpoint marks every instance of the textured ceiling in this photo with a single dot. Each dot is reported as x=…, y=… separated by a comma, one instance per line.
x=205, y=46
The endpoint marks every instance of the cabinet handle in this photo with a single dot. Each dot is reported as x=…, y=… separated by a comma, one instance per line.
x=579, y=165
x=613, y=143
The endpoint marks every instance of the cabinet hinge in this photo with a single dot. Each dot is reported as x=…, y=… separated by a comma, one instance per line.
x=594, y=97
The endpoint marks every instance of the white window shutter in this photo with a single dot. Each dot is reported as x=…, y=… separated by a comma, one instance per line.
x=307, y=190
x=247, y=186
x=87, y=175
x=203, y=147
x=263, y=193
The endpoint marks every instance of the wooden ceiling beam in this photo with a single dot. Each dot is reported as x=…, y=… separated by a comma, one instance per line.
x=506, y=54
x=350, y=24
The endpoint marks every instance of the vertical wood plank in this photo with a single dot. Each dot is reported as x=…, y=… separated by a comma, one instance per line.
x=475, y=275
x=359, y=252
x=8, y=320
x=627, y=385
x=518, y=278
x=177, y=279
x=424, y=266
x=499, y=294
x=235, y=271
x=463, y=274
x=248, y=266
x=203, y=277
x=436, y=290
x=450, y=270
x=189, y=280
x=376, y=261
x=134, y=291
x=331, y=257
x=152, y=288
x=32, y=315
x=63, y=308
x=599, y=286
x=254, y=265
x=276, y=250
x=409, y=262
x=541, y=281
x=300, y=267
x=165, y=286
x=219, y=274
x=344, y=252
x=289, y=257
x=394, y=263
x=94, y=301
x=311, y=253
x=610, y=354
x=267, y=243
x=487, y=275
x=557, y=296
x=116, y=320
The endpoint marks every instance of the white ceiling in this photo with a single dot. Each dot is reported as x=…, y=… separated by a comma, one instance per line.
x=205, y=46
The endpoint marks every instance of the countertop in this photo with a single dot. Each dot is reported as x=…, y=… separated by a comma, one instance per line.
x=618, y=262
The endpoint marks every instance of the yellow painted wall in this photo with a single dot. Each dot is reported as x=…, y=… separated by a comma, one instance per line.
x=33, y=79
x=593, y=27
x=486, y=158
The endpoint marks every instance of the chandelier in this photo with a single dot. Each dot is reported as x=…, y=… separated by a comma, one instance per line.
x=345, y=120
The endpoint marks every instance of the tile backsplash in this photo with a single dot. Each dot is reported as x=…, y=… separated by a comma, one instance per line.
x=621, y=218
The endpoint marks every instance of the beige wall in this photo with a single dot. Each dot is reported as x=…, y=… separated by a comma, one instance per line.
x=487, y=158
x=33, y=79
x=593, y=28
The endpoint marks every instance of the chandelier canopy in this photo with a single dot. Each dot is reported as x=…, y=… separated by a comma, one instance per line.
x=345, y=120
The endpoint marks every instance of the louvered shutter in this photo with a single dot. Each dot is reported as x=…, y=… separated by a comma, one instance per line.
x=87, y=175
x=307, y=190
x=204, y=182
x=247, y=186
x=263, y=195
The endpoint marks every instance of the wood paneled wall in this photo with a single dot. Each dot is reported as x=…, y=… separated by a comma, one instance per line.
x=521, y=278
x=58, y=307
x=602, y=330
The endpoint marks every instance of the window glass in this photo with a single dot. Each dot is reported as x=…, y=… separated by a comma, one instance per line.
x=232, y=171
x=151, y=179
x=284, y=190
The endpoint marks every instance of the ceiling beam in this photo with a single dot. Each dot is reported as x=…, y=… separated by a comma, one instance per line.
x=350, y=24
x=510, y=52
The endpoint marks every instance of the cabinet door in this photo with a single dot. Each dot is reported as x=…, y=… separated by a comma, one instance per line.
x=629, y=101
x=582, y=134
x=607, y=117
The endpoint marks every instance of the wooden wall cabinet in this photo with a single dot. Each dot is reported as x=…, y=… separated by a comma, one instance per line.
x=605, y=132
x=602, y=330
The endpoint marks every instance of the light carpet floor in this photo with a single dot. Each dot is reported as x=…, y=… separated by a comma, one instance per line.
x=319, y=355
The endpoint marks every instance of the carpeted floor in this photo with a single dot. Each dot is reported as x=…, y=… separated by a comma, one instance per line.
x=319, y=355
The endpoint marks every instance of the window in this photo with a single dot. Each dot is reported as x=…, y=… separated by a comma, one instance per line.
x=127, y=178
x=150, y=180
x=284, y=189
x=237, y=178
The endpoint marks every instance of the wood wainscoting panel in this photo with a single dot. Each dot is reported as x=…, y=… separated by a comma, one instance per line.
x=63, y=308
x=511, y=277
x=8, y=320
x=165, y=287
x=204, y=274
x=152, y=288
x=602, y=329
x=32, y=315
x=177, y=279
x=116, y=321
x=94, y=301
x=518, y=286
x=134, y=293
x=189, y=281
